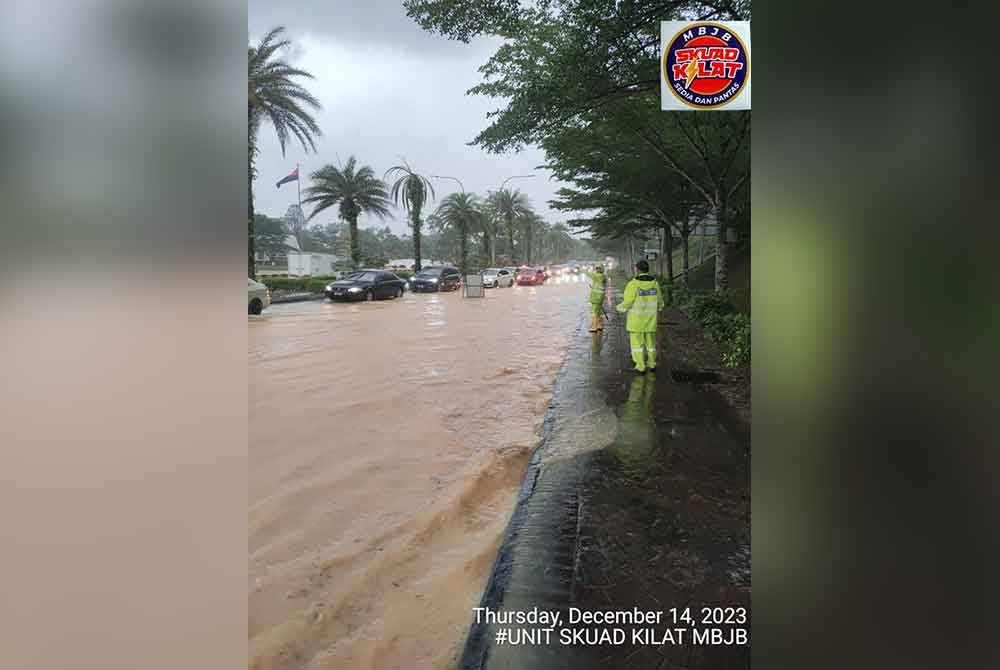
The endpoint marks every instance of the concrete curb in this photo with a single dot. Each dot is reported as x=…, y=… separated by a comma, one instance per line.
x=297, y=297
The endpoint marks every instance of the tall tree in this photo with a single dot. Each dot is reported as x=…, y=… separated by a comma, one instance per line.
x=461, y=213
x=412, y=189
x=269, y=235
x=274, y=94
x=354, y=190
x=562, y=62
x=488, y=229
x=510, y=205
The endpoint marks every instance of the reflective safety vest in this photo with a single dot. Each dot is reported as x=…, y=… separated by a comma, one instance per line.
x=598, y=284
x=642, y=300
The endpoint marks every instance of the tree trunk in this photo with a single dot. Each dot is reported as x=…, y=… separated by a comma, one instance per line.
x=528, y=241
x=463, y=265
x=685, y=239
x=251, y=255
x=722, y=221
x=510, y=238
x=416, y=241
x=355, y=242
x=661, y=241
x=686, y=262
x=669, y=244
x=701, y=243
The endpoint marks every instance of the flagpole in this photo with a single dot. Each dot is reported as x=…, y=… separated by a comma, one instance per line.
x=298, y=184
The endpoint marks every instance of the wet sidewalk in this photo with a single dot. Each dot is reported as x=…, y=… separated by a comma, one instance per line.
x=638, y=497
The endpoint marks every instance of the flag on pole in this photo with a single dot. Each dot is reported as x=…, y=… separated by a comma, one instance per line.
x=294, y=176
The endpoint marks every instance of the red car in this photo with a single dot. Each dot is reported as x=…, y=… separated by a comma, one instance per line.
x=530, y=277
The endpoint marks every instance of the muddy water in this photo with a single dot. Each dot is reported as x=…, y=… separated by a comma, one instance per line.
x=387, y=442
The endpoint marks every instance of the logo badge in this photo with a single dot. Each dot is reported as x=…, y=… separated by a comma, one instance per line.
x=705, y=65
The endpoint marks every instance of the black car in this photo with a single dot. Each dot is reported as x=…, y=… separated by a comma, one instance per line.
x=366, y=285
x=437, y=278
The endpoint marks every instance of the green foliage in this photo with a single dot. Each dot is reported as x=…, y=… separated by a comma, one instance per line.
x=310, y=284
x=269, y=235
x=462, y=213
x=273, y=93
x=509, y=205
x=375, y=262
x=317, y=284
x=720, y=321
x=411, y=190
x=580, y=78
x=353, y=190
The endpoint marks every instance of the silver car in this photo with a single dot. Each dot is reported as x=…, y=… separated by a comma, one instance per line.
x=497, y=277
x=258, y=296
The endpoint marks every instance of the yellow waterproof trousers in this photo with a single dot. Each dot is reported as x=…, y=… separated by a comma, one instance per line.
x=642, y=341
x=596, y=317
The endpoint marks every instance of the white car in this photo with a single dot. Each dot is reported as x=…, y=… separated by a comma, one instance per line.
x=497, y=277
x=258, y=296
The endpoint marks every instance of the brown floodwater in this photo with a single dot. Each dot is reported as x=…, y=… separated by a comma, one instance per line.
x=387, y=443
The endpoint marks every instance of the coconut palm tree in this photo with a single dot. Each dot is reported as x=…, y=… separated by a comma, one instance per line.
x=531, y=223
x=354, y=190
x=462, y=213
x=510, y=205
x=487, y=226
x=412, y=189
x=274, y=95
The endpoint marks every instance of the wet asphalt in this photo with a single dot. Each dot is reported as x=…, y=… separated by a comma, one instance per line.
x=637, y=497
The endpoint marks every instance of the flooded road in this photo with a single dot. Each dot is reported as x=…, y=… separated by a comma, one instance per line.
x=387, y=444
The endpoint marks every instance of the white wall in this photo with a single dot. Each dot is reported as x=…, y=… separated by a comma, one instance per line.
x=307, y=264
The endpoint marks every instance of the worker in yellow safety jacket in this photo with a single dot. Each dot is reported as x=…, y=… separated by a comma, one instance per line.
x=642, y=300
x=598, y=287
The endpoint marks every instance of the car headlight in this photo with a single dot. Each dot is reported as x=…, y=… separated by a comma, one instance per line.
x=434, y=280
x=354, y=289
x=329, y=287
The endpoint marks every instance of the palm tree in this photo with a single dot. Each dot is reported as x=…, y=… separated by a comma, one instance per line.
x=412, y=189
x=510, y=205
x=487, y=226
x=462, y=213
x=530, y=223
x=273, y=94
x=354, y=190
x=561, y=241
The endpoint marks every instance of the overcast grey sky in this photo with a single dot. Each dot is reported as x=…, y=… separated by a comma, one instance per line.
x=389, y=90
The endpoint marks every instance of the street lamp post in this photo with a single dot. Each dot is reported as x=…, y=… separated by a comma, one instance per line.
x=439, y=176
x=517, y=176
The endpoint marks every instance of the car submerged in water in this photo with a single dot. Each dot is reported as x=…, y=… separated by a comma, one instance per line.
x=436, y=278
x=258, y=296
x=497, y=277
x=366, y=285
x=530, y=277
